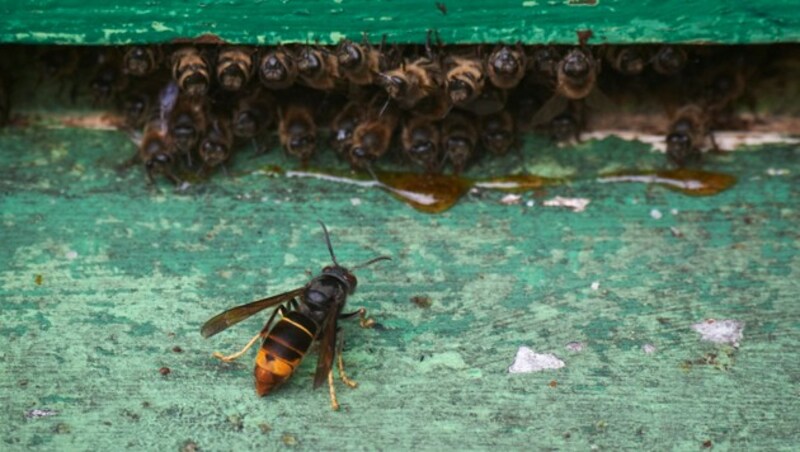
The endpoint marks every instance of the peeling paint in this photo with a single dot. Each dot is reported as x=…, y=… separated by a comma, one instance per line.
x=528, y=361
x=720, y=331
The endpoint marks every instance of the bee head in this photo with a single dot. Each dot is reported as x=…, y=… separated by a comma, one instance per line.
x=459, y=90
x=576, y=64
x=349, y=55
x=505, y=62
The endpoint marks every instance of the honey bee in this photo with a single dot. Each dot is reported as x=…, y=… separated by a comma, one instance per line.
x=459, y=139
x=59, y=61
x=343, y=126
x=498, y=132
x=157, y=150
x=234, y=67
x=421, y=141
x=360, y=62
x=252, y=116
x=297, y=130
x=566, y=128
x=726, y=87
x=544, y=63
x=135, y=108
x=373, y=136
x=577, y=74
x=576, y=79
x=307, y=314
x=107, y=79
x=669, y=60
x=318, y=68
x=506, y=66
x=413, y=81
x=190, y=71
x=626, y=60
x=187, y=124
x=141, y=61
x=277, y=69
x=688, y=135
x=217, y=145
x=464, y=79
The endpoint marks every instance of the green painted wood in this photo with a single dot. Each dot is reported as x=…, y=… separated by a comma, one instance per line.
x=128, y=274
x=269, y=22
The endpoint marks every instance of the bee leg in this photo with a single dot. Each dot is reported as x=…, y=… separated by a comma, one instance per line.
x=332, y=391
x=714, y=147
x=150, y=179
x=340, y=363
x=127, y=164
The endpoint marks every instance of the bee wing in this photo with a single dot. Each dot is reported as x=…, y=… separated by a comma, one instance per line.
x=552, y=108
x=327, y=347
x=235, y=315
x=597, y=100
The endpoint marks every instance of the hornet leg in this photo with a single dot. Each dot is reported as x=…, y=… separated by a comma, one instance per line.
x=262, y=334
x=362, y=316
x=332, y=391
x=241, y=352
x=340, y=363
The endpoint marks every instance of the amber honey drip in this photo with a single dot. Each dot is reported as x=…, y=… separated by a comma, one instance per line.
x=431, y=193
x=435, y=193
x=687, y=181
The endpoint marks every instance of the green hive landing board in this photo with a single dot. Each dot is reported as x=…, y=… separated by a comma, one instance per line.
x=127, y=274
x=531, y=21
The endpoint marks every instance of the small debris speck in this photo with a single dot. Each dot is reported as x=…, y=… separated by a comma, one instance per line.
x=71, y=255
x=38, y=280
x=777, y=171
x=674, y=211
x=530, y=203
x=164, y=371
x=656, y=214
x=355, y=201
x=511, y=199
x=720, y=331
x=289, y=440
x=528, y=361
x=177, y=349
x=675, y=232
x=649, y=348
x=423, y=301
x=575, y=346
x=40, y=412
x=595, y=285
x=576, y=204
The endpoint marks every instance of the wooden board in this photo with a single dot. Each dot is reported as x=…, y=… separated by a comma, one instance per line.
x=529, y=21
x=102, y=278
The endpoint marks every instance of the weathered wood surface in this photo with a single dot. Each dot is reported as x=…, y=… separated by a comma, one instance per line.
x=127, y=274
x=269, y=22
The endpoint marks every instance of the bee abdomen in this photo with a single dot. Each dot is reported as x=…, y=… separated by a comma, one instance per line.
x=283, y=350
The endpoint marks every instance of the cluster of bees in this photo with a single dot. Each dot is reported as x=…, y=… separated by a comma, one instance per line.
x=440, y=107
